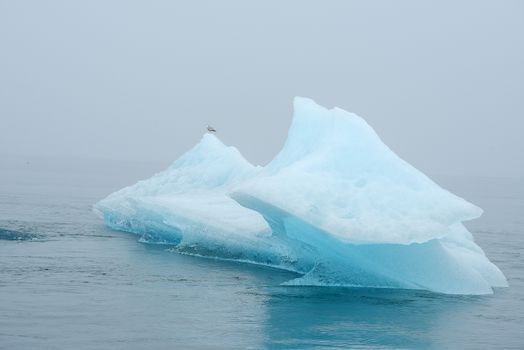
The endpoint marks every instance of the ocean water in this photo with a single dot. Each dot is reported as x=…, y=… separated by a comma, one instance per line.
x=68, y=282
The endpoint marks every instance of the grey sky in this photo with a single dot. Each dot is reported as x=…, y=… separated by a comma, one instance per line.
x=442, y=82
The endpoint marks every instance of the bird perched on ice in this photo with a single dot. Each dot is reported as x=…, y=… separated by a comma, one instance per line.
x=210, y=128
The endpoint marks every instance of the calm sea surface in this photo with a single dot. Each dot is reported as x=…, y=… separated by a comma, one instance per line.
x=67, y=282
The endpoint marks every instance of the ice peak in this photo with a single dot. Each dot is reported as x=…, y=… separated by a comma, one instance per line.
x=300, y=102
x=337, y=173
x=211, y=139
x=209, y=143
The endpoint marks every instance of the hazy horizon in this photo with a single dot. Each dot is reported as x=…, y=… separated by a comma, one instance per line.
x=441, y=83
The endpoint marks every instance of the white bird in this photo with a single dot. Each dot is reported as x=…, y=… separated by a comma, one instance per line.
x=210, y=128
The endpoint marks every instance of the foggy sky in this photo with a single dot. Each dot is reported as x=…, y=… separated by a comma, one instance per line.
x=442, y=82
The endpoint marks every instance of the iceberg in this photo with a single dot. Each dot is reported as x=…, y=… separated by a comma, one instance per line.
x=335, y=205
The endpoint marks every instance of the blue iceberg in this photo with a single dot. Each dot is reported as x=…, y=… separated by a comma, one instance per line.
x=335, y=205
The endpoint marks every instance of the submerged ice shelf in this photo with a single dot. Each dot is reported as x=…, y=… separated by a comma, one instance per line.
x=336, y=205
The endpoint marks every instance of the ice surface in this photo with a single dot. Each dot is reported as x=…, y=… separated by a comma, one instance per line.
x=336, y=204
x=187, y=205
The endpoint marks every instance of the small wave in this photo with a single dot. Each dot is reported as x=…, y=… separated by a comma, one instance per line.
x=13, y=235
